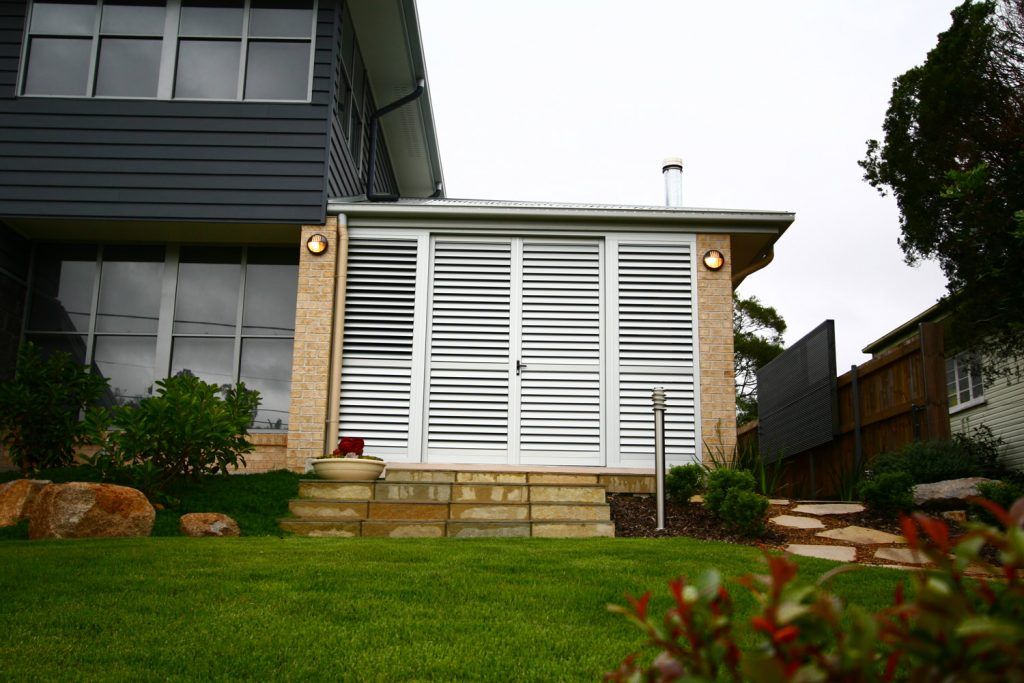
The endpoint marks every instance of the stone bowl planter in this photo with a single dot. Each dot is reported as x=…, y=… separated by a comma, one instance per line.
x=348, y=469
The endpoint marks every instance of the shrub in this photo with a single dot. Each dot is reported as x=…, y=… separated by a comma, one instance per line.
x=1002, y=493
x=965, y=455
x=721, y=481
x=186, y=430
x=744, y=512
x=951, y=629
x=682, y=482
x=40, y=407
x=889, y=492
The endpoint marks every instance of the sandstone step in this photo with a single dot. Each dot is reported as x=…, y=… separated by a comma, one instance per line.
x=489, y=493
x=396, y=512
x=567, y=494
x=573, y=529
x=490, y=477
x=404, y=529
x=627, y=483
x=508, y=512
x=320, y=528
x=319, y=509
x=560, y=478
x=489, y=529
x=570, y=512
x=412, y=492
x=336, y=490
x=401, y=476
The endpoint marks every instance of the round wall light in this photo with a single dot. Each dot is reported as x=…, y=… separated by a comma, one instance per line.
x=317, y=244
x=713, y=259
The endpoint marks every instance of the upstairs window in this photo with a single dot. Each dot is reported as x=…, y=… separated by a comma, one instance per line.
x=964, y=383
x=174, y=49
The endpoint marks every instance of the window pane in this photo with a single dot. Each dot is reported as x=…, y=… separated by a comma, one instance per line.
x=130, y=284
x=271, y=280
x=128, y=67
x=207, y=296
x=128, y=363
x=208, y=69
x=58, y=66
x=65, y=18
x=277, y=71
x=211, y=360
x=281, y=18
x=210, y=18
x=71, y=344
x=136, y=17
x=62, y=288
x=267, y=367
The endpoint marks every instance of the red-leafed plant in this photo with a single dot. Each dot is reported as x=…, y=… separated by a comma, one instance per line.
x=952, y=628
x=349, y=446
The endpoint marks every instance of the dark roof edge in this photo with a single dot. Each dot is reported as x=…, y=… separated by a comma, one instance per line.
x=932, y=314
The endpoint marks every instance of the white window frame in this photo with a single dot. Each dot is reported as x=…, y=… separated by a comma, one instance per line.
x=169, y=57
x=964, y=365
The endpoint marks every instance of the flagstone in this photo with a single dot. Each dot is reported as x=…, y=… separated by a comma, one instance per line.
x=904, y=555
x=838, y=553
x=860, y=535
x=829, y=508
x=795, y=522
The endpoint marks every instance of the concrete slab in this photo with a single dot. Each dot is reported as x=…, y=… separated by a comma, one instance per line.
x=903, y=555
x=824, y=552
x=829, y=508
x=795, y=522
x=861, y=535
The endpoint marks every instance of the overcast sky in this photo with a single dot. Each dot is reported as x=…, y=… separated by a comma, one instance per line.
x=768, y=103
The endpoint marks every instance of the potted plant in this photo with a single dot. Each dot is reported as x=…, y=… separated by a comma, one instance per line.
x=347, y=463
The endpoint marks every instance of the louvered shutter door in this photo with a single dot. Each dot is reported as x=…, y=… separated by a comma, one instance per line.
x=654, y=297
x=468, y=361
x=377, y=357
x=560, y=390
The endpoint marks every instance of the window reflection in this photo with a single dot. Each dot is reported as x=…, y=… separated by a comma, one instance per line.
x=208, y=283
x=267, y=367
x=271, y=279
x=130, y=286
x=62, y=288
x=211, y=360
x=128, y=363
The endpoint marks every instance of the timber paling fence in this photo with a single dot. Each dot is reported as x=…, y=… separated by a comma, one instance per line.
x=883, y=404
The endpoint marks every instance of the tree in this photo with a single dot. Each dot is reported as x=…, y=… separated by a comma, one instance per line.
x=757, y=339
x=953, y=157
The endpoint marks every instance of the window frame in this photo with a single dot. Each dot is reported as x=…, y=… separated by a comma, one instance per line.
x=164, y=334
x=964, y=365
x=168, y=57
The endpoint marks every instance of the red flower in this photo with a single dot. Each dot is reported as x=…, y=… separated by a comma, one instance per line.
x=349, y=444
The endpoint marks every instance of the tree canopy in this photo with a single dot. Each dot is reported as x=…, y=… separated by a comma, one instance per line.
x=757, y=339
x=953, y=157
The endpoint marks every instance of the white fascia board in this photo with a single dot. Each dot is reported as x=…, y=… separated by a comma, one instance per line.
x=389, y=40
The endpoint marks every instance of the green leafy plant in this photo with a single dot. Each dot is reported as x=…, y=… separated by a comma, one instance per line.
x=766, y=476
x=682, y=482
x=889, y=492
x=965, y=455
x=720, y=482
x=950, y=629
x=188, y=429
x=40, y=408
x=1002, y=493
x=744, y=512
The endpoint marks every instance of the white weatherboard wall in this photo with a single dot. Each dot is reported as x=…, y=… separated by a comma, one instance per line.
x=538, y=350
x=1003, y=413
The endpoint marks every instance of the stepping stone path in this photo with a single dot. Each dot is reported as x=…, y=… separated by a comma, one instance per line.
x=829, y=508
x=795, y=522
x=903, y=555
x=860, y=535
x=838, y=553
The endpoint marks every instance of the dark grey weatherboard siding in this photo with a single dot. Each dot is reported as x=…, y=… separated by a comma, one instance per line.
x=14, y=258
x=170, y=160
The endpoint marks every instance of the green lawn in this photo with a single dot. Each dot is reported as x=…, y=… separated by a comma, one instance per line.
x=376, y=609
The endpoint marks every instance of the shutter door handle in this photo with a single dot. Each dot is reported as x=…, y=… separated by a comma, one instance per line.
x=520, y=366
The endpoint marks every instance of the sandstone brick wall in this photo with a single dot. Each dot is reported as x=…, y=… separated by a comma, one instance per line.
x=714, y=319
x=312, y=351
x=271, y=453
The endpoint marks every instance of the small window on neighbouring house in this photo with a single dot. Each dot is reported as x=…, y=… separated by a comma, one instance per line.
x=964, y=383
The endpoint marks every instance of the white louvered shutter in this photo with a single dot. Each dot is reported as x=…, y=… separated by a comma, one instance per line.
x=377, y=365
x=561, y=323
x=654, y=299
x=469, y=351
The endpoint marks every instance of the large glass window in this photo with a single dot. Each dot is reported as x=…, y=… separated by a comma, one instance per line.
x=135, y=314
x=182, y=49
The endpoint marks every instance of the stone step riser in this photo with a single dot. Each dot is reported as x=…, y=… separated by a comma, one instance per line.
x=306, y=509
x=454, y=529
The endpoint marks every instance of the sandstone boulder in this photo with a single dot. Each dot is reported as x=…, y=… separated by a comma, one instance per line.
x=85, y=510
x=16, y=498
x=950, y=492
x=208, y=524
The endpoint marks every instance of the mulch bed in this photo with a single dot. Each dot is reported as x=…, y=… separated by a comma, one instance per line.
x=635, y=516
